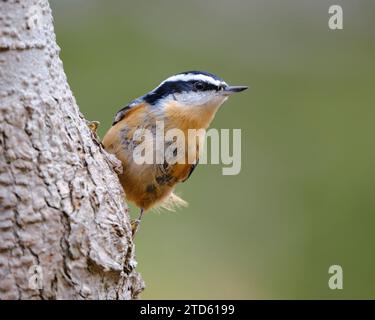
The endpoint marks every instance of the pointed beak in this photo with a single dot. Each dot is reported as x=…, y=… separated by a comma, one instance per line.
x=233, y=89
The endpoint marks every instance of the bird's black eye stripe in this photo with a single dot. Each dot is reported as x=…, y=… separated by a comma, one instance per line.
x=203, y=86
x=199, y=85
x=173, y=87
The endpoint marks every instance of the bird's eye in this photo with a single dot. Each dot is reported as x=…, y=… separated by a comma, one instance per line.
x=198, y=85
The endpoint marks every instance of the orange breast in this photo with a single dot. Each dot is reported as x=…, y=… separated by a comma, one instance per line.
x=184, y=118
x=142, y=183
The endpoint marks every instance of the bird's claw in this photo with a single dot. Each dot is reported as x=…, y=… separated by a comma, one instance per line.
x=135, y=226
x=93, y=126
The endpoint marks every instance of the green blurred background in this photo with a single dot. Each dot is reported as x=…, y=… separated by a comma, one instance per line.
x=304, y=199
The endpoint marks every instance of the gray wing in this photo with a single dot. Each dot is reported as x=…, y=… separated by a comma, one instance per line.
x=123, y=111
x=121, y=114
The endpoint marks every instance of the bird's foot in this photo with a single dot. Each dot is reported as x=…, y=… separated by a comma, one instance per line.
x=135, y=226
x=93, y=125
x=135, y=223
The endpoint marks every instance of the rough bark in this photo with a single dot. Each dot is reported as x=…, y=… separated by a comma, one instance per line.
x=64, y=228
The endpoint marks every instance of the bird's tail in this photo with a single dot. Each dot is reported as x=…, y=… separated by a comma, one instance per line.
x=173, y=202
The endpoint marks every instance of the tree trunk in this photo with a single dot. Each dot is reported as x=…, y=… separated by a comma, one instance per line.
x=64, y=227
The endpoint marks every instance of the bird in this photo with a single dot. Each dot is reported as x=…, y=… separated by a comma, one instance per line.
x=187, y=100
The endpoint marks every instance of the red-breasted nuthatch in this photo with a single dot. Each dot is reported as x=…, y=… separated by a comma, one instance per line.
x=188, y=100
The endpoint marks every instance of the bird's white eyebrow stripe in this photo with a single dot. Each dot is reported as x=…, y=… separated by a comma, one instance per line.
x=192, y=77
